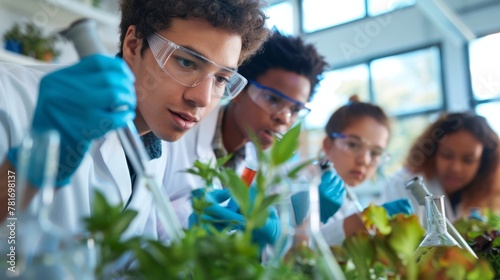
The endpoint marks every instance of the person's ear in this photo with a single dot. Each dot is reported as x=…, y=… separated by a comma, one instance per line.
x=327, y=144
x=131, y=45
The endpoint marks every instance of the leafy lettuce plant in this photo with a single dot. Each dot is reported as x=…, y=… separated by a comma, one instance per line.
x=482, y=233
x=388, y=254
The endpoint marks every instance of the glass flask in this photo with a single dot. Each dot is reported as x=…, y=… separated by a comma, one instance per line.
x=36, y=248
x=301, y=246
x=437, y=239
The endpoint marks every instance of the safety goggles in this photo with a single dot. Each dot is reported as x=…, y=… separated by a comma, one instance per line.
x=275, y=102
x=190, y=68
x=357, y=146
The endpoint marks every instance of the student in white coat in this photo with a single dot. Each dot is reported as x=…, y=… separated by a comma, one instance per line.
x=357, y=136
x=178, y=59
x=282, y=79
x=457, y=156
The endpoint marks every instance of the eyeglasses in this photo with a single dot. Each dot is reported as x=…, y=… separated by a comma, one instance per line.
x=190, y=68
x=357, y=146
x=275, y=102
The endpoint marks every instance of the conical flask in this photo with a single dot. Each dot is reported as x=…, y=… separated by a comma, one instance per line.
x=437, y=239
x=301, y=246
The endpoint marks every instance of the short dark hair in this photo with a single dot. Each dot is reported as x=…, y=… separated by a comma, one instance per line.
x=242, y=17
x=289, y=53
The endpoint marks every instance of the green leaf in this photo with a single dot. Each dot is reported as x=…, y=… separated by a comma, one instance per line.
x=362, y=252
x=376, y=216
x=239, y=191
x=295, y=171
x=406, y=234
x=284, y=149
x=123, y=221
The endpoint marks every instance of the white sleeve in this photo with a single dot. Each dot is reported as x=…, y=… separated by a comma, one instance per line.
x=333, y=229
x=18, y=96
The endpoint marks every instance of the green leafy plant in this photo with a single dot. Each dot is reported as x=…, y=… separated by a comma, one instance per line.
x=389, y=253
x=483, y=235
x=33, y=42
x=205, y=252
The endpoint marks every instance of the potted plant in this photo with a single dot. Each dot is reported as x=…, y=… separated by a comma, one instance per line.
x=29, y=40
x=13, y=38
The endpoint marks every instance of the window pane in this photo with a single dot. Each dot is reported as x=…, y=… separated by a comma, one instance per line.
x=490, y=111
x=403, y=134
x=281, y=17
x=408, y=82
x=377, y=7
x=334, y=91
x=320, y=14
x=485, y=66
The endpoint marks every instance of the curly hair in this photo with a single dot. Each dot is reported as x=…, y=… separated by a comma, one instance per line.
x=288, y=53
x=242, y=17
x=422, y=155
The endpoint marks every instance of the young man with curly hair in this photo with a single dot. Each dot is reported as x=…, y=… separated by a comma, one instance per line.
x=178, y=59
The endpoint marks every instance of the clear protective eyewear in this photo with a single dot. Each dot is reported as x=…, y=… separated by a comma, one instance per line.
x=275, y=102
x=357, y=146
x=190, y=68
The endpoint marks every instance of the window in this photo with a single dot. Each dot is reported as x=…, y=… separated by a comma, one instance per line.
x=320, y=14
x=484, y=58
x=408, y=82
x=490, y=111
x=281, y=17
x=485, y=77
x=334, y=91
x=377, y=7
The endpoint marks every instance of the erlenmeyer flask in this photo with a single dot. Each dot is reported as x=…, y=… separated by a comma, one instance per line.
x=301, y=245
x=437, y=239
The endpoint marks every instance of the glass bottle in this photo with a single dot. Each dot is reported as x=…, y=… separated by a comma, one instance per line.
x=437, y=239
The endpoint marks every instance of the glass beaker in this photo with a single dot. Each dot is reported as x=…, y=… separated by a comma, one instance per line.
x=301, y=246
x=437, y=239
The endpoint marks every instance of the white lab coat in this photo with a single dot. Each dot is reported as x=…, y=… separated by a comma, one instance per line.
x=395, y=189
x=103, y=168
x=333, y=229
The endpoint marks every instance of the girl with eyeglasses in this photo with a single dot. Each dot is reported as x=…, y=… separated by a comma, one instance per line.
x=457, y=156
x=357, y=136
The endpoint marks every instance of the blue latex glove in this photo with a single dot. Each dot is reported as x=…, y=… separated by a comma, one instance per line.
x=400, y=206
x=229, y=218
x=331, y=194
x=79, y=102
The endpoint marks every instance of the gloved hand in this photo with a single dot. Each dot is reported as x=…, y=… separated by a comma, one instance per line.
x=229, y=218
x=331, y=194
x=79, y=102
x=402, y=206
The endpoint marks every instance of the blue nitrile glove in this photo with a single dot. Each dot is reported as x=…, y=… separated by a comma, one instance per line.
x=79, y=102
x=331, y=194
x=229, y=218
x=400, y=206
